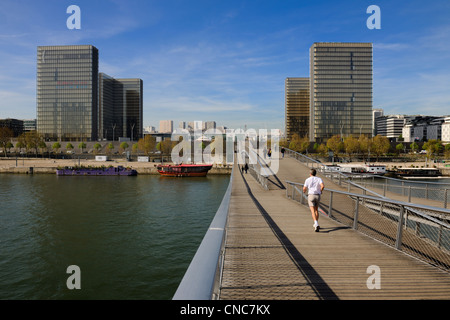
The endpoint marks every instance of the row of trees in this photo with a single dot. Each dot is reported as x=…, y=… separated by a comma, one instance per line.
x=362, y=146
x=33, y=141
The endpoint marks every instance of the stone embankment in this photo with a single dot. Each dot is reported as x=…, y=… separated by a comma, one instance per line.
x=49, y=166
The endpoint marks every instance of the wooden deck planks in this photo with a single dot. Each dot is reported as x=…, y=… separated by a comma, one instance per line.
x=272, y=252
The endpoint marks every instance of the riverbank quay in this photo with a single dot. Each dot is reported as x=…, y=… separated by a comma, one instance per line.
x=49, y=166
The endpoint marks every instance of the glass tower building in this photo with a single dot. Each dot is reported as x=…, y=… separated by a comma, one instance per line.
x=297, y=106
x=67, y=91
x=120, y=112
x=340, y=90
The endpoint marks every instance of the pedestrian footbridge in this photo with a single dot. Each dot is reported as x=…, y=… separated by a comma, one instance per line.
x=261, y=244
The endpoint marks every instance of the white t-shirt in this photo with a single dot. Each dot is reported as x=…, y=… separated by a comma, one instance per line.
x=313, y=185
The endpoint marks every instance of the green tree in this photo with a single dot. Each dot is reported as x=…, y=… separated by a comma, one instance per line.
x=365, y=145
x=124, y=146
x=23, y=142
x=32, y=140
x=69, y=146
x=135, y=148
x=147, y=144
x=380, y=145
x=110, y=147
x=335, y=144
x=399, y=147
x=165, y=146
x=56, y=146
x=5, y=136
x=299, y=144
x=20, y=144
x=82, y=146
x=322, y=150
x=414, y=147
x=9, y=145
x=351, y=146
x=433, y=147
x=294, y=144
x=43, y=146
x=315, y=147
x=97, y=147
x=447, y=151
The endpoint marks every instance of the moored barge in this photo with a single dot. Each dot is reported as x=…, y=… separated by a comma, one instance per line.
x=101, y=171
x=418, y=173
x=184, y=170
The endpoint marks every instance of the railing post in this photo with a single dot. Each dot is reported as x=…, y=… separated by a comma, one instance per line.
x=398, y=240
x=445, y=198
x=355, y=218
x=293, y=192
x=330, y=207
x=439, y=237
x=409, y=194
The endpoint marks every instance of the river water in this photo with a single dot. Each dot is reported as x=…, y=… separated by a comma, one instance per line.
x=131, y=237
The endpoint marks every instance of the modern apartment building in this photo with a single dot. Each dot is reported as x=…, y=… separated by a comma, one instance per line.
x=297, y=97
x=423, y=128
x=15, y=125
x=390, y=126
x=375, y=114
x=166, y=126
x=67, y=92
x=446, y=130
x=340, y=90
x=29, y=125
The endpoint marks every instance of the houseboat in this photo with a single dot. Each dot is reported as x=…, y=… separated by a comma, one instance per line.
x=358, y=169
x=418, y=173
x=99, y=171
x=184, y=170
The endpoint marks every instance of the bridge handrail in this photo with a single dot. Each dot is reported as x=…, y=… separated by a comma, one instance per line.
x=441, y=193
x=433, y=220
x=334, y=175
x=201, y=279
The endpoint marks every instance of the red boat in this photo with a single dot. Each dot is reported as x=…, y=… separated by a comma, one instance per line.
x=184, y=170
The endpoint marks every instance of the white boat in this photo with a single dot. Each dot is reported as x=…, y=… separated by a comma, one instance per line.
x=363, y=170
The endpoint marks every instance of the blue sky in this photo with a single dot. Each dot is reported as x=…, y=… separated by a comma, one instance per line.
x=227, y=60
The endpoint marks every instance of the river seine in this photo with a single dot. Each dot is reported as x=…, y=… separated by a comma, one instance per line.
x=131, y=237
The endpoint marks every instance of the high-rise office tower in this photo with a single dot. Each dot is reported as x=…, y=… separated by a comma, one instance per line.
x=297, y=106
x=341, y=90
x=129, y=107
x=120, y=108
x=67, y=85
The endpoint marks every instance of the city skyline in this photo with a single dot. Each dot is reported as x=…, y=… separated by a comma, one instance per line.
x=228, y=61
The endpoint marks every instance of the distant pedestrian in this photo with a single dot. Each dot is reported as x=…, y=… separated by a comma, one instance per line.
x=314, y=185
x=246, y=167
x=269, y=153
x=282, y=152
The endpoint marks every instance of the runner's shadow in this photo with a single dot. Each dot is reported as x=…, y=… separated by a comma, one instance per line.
x=321, y=288
x=328, y=230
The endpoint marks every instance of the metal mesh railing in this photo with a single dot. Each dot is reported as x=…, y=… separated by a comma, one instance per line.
x=435, y=192
x=419, y=230
x=438, y=194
